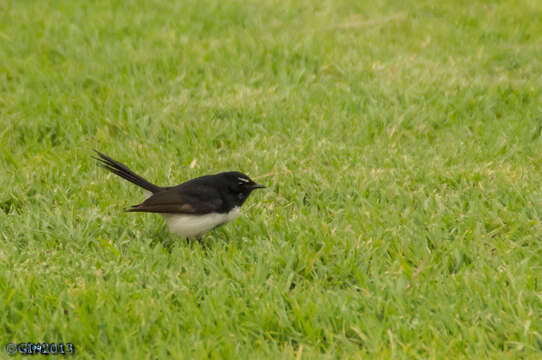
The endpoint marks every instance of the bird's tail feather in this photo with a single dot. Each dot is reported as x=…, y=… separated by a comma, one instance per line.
x=122, y=170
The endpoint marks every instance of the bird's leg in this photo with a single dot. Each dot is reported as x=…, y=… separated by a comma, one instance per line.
x=200, y=240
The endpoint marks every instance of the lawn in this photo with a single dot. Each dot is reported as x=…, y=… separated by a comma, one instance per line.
x=401, y=143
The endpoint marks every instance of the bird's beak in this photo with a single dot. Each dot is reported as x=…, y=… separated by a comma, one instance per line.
x=257, y=186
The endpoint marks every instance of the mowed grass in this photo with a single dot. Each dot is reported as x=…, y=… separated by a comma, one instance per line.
x=402, y=143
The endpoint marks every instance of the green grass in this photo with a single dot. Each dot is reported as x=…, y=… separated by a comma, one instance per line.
x=403, y=212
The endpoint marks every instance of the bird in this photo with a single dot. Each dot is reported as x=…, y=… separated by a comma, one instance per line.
x=194, y=207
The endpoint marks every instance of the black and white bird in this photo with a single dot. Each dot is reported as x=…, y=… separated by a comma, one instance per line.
x=192, y=208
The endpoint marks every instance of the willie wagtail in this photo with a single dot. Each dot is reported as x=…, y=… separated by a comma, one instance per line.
x=194, y=207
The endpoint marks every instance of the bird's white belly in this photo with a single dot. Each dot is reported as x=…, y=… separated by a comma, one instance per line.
x=196, y=225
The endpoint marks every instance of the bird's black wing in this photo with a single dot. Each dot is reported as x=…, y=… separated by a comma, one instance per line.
x=194, y=199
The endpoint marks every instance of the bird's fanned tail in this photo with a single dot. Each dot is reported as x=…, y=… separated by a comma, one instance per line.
x=124, y=172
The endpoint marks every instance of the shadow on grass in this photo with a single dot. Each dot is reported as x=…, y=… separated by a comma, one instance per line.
x=168, y=240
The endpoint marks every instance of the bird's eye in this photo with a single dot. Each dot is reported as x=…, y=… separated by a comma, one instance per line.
x=240, y=195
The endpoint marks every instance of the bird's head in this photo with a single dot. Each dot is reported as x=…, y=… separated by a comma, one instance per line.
x=240, y=184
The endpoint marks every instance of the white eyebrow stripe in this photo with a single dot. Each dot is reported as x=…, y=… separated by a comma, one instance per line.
x=243, y=180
